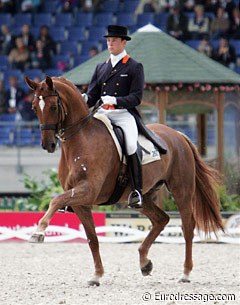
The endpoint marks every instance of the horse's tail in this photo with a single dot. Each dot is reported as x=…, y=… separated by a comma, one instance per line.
x=206, y=209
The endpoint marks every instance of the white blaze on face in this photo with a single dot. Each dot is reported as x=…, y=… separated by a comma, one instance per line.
x=41, y=103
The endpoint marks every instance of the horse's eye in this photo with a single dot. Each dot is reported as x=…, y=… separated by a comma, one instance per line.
x=53, y=108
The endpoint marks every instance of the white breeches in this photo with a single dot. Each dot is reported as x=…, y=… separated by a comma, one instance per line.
x=124, y=119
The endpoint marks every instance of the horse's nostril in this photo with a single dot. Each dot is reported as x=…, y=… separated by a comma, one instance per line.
x=53, y=145
x=43, y=147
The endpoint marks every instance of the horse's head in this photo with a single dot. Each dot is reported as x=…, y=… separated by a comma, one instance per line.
x=47, y=106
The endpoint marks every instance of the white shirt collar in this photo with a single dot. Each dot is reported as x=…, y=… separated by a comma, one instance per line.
x=116, y=58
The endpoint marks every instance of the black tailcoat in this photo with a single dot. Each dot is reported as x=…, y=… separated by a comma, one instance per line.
x=125, y=81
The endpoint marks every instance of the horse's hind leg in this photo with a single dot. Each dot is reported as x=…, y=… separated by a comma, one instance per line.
x=184, y=199
x=159, y=219
x=85, y=216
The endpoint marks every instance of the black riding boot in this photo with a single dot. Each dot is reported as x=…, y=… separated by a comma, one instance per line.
x=135, y=199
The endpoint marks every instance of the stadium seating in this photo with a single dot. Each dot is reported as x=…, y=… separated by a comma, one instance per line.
x=111, y=6
x=5, y=18
x=103, y=19
x=87, y=45
x=58, y=33
x=96, y=33
x=68, y=47
x=3, y=62
x=84, y=19
x=20, y=19
x=125, y=18
x=193, y=43
x=42, y=19
x=64, y=19
x=76, y=33
x=130, y=6
x=6, y=136
x=145, y=18
x=33, y=73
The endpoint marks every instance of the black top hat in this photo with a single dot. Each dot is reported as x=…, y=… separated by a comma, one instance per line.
x=118, y=31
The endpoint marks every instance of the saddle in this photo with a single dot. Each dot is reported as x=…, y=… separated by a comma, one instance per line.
x=122, y=179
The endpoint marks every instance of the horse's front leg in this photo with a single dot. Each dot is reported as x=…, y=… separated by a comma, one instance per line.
x=73, y=197
x=85, y=216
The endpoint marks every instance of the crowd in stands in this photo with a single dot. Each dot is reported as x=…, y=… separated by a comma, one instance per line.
x=40, y=38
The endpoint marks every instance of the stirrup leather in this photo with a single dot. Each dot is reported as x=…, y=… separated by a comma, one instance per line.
x=135, y=199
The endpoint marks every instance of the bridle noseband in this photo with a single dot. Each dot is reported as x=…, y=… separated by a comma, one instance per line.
x=58, y=127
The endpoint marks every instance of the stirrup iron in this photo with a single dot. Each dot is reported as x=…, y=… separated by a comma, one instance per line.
x=135, y=200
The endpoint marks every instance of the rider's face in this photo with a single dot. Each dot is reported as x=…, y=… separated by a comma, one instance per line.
x=115, y=45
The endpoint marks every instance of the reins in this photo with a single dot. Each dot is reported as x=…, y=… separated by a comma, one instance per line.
x=58, y=126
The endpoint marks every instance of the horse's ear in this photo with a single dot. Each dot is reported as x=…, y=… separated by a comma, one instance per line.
x=49, y=82
x=32, y=85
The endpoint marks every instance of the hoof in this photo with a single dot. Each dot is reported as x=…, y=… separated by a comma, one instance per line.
x=93, y=283
x=36, y=238
x=146, y=270
x=184, y=279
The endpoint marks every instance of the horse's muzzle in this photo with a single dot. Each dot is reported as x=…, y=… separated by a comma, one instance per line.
x=50, y=147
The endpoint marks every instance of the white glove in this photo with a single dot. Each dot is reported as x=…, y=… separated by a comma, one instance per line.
x=85, y=97
x=109, y=100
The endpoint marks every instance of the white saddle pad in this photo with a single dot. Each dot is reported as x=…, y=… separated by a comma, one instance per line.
x=150, y=153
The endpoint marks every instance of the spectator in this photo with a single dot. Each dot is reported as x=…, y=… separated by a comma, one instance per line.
x=234, y=31
x=93, y=52
x=225, y=54
x=7, y=40
x=205, y=47
x=67, y=6
x=8, y=6
x=47, y=40
x=3, y=98
x=25, y=105
x=41, y=58
x=19, y=57
x=177, y=24
x=14, y=95
x=220, y=24
x=32, y=6
x=198, y=26
x=27, y=37
x=150, y=6
x=188, y=6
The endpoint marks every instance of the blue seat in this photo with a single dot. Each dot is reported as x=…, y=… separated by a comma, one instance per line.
x=35, y=30
x=160, y=20
x=50, y=6
x=110, y=6
x=5, y=18
x=126, y=18
x=53, y=72
x=76, y=33
x=8, y=117
x=78, y=60
x=64, y=19
x=23, y=137
x=69, y=47
x=58, y=33
x=236, y=44
x=36, y=136
x=103, y=19
x=5, y=136
x=12, y=72
x=97, y=33
x=130, y=6
x=66, y=58
x=237, y=70
x=194, y=44
x=3, y=62
x=145, y=18
x=42, y=19
x=33, y=73
x=87, y=45
x=20, y=19
x=84, y=19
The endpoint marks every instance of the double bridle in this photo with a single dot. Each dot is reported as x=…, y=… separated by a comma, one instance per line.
x=58, y=127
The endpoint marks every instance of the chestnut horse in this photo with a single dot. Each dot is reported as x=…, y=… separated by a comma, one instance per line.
x=89, y=167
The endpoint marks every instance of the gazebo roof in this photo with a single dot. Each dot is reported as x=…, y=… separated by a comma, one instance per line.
x=165, y=60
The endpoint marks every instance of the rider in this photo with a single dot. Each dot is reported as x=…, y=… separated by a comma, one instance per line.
x=119, y=83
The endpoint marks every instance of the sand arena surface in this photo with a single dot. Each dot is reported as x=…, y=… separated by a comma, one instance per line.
x=57, y=273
